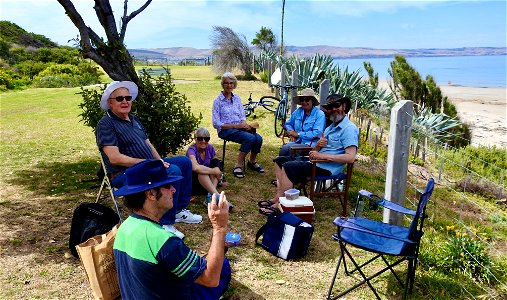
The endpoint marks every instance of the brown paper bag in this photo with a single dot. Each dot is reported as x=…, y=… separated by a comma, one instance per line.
x=97, y=257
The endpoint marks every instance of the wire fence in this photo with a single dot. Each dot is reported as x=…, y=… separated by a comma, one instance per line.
x=461, y=174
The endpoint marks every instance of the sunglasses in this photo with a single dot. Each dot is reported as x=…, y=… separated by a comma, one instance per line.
x=306, y=99
x=202, y=138
x=120, y=98
x=334, y=105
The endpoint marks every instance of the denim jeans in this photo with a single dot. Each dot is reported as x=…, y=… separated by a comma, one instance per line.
x=200, y=292
x=249, y=141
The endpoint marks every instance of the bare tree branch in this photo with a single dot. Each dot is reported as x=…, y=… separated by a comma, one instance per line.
x=125, y=19
x=106, y=18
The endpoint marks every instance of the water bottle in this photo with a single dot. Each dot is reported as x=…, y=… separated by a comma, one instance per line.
x=208, y=199
x=359, y=207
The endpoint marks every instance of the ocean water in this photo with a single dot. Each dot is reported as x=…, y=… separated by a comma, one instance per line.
x=471, y=71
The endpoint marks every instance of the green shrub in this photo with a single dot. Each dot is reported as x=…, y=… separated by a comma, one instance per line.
x=264, y=76
x=65, y=75
x=12, y=81
x=247, y=77
x=31, y=68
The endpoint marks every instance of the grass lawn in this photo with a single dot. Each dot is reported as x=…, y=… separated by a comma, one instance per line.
x=48, y=166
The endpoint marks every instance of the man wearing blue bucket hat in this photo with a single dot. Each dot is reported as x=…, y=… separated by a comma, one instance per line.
x=153, y=263
x=123, y=142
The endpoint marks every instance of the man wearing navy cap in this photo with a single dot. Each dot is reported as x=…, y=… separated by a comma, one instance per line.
x=153, y=263
x=123, y=142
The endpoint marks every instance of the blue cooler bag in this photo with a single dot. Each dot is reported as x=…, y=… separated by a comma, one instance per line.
x=285, y=236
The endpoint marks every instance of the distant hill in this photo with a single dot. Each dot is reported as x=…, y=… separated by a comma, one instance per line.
x=178, y=53
x=13, y=34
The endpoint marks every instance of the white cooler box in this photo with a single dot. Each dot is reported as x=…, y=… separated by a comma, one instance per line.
x=301, y=207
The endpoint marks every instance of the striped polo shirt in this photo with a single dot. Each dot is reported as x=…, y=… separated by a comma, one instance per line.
x=153, y=263
x=129, y=136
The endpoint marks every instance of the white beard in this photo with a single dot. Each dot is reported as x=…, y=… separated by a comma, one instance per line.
x=336, y=118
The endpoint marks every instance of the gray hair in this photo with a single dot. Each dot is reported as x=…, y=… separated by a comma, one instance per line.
x=229, y=75
x=201, y=132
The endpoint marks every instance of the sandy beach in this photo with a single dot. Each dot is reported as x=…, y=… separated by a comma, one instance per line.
x=484, y=109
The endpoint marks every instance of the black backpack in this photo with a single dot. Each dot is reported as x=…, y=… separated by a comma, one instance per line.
x=89, y=220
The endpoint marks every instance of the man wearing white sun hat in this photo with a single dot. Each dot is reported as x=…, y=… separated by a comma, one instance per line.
x=123, y=142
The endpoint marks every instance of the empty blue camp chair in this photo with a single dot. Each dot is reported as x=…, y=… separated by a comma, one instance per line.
x=382, y=239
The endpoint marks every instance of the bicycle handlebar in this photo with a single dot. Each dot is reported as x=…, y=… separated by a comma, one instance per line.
x=287, y=86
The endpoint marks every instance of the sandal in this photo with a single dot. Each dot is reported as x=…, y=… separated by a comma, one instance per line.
x=265, y=203
x=274, y=182
x=268, y=211
x=238, y=172
x=255, y=166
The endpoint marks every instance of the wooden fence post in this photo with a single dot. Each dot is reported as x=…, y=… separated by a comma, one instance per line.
x=283, y=80
x=501, y=184
x=323, y=91
x=367, y=138
x=424, y=149
x=293, y=93
x=440, y=169
x=397, y=158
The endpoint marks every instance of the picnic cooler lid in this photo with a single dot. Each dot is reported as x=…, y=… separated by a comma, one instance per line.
x=301, y=204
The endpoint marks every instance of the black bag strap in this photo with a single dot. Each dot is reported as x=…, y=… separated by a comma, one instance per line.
x=260, y=232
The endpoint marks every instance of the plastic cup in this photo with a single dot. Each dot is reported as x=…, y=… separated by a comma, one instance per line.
x=232, y=239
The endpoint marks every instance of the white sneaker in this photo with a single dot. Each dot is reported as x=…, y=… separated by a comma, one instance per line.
x=173, y=229
x=185, y=216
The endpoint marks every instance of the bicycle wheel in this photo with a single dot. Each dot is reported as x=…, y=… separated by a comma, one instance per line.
x=268, y=102
x=280, y=116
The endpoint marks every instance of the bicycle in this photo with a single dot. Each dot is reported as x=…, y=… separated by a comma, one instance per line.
x=267, y=102
x=283, y=108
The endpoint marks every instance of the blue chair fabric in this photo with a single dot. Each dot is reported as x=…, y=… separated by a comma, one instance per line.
x=381, y=239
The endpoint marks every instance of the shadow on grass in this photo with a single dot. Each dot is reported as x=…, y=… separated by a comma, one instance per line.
x=57, y=178
x=237, y=291
x=37, y=210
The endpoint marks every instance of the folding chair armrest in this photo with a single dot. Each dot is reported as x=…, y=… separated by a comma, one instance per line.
x=318, y=160
x=344, y=223
x=386, y=203
x=396, y=207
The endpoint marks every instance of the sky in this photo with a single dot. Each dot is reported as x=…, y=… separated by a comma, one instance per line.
x=371, y=24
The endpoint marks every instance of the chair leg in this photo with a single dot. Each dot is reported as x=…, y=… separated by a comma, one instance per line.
x=334, y=277
x=101, y=189
x=390, y=267
x=365, y=279
x=116, y=205
x=223, y=155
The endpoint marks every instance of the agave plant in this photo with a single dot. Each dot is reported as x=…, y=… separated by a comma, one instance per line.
x=311, y=71
x=436, y=125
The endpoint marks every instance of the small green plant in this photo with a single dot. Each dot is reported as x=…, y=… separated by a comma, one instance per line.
x=264, y=76
x=466, y=255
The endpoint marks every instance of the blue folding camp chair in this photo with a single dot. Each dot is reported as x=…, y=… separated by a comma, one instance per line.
x=382, y=239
